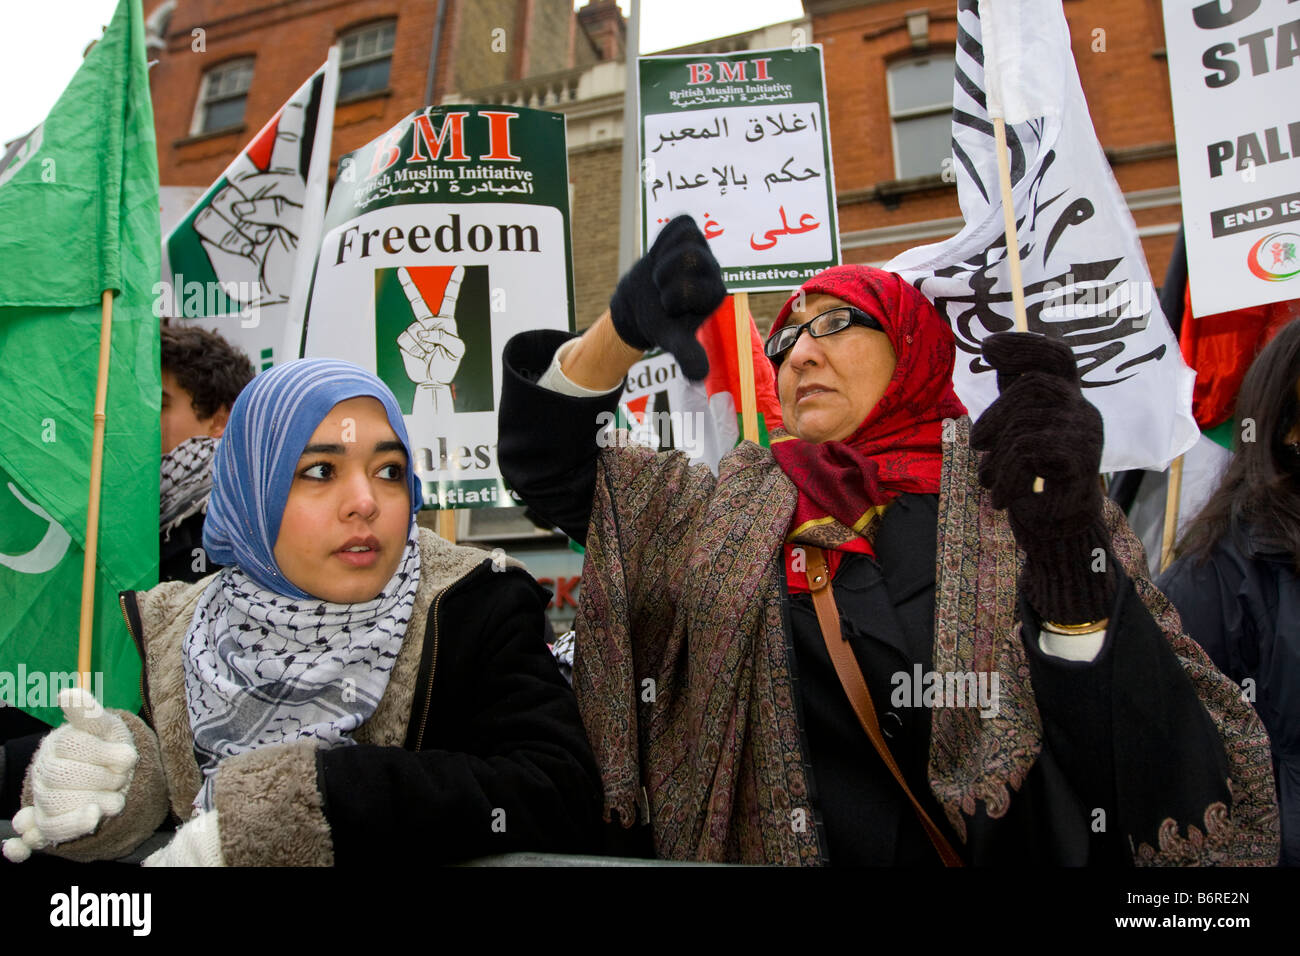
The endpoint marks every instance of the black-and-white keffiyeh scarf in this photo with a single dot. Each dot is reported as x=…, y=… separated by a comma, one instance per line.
x=186, y=481
x=562, y=651
x=262, y=668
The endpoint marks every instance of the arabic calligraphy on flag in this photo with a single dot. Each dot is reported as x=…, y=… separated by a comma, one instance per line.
x=1085, y=276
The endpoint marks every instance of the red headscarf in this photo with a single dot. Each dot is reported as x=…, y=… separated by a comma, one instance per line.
x=845, y=485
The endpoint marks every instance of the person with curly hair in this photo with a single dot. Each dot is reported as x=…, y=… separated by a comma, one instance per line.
x=202, y=375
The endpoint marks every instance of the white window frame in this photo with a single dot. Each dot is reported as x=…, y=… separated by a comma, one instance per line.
x=206, y=97
x=377, y=26
x=916, y=111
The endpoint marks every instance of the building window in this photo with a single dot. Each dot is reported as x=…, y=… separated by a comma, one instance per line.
x=364, y=59
x=224, y=96
x=920, y=105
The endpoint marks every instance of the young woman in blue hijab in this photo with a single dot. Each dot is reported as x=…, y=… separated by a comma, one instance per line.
x=352, y=688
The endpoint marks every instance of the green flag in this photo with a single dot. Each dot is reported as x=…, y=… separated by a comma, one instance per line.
x=78, y=215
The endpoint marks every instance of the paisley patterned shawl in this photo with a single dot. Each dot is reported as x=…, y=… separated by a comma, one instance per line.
x=977, y=620
x=699, y=709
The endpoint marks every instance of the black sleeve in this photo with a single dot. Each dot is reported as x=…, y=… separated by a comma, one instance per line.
x=1127, y=732
x=505, y=765
x=547, y=441
x=176, y=552
x=1206, y=596
x=14, y=760
x=20, y=735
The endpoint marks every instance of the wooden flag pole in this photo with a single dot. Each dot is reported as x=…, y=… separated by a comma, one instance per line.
x=1172, y=495
x=87, y=627
x=745, y=356
x=447, y=524
x=1009, y=224
x=1013, y=243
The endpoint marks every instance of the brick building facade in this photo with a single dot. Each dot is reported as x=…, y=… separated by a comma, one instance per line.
x=479, y=42
x=540, y=53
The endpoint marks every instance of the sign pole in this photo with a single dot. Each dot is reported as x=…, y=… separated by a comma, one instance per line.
x=745, y=356
x=1173, y=493
x=1009, y=224
x=447, y=524
x=627, y=208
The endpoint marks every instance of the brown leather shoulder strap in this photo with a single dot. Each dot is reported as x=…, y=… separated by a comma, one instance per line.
x=846, y=666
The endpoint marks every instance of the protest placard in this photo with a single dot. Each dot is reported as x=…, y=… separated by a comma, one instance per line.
x=443, y=238
x=1233, y=75
x=740, y=142
x=232, y=262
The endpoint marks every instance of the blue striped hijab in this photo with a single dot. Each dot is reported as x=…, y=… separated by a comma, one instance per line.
x=270, y=424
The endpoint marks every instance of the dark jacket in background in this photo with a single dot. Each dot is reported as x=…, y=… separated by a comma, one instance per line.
x=1243, y=607
x=176, y=557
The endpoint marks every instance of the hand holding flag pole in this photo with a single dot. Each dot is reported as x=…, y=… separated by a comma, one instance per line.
x=1040, y=412
x=87, y=623
x=1000, y=23
x=997, y=113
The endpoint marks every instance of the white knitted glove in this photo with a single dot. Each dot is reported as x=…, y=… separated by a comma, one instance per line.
x=80, y=775
x=197, y=843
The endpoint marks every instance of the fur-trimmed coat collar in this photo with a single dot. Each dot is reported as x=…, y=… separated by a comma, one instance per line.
x=165, y=613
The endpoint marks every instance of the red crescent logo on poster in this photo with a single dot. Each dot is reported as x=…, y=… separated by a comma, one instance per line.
x=1274, y=258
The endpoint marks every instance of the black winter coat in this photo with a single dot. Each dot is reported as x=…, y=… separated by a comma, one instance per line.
x=548, y=454
x=1243, y=607
x=495, y=759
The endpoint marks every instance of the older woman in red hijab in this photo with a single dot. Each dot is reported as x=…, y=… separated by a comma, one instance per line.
x=870, y=645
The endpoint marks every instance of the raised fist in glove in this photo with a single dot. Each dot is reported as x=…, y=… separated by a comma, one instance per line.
x=79, y=776
x=1042, y=426
x=668, y=293
x=197, y=843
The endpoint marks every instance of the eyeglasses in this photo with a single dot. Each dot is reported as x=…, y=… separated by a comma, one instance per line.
x=828, y=323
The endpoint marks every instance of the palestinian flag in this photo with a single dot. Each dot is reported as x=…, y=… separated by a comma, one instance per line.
x=663, y=409
x=232, y=262
x=1220, y=348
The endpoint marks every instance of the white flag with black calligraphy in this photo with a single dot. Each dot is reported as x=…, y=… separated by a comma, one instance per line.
x=1086, y=280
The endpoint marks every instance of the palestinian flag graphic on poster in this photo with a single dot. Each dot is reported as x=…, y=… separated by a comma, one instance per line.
x=444, y=237
x=433, y=337
x=230, y=264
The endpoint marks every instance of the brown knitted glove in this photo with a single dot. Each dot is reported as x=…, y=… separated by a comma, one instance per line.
x=1042, y=426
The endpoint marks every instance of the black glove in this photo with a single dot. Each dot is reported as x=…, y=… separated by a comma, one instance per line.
x=668, y=293
x=1042, y=426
